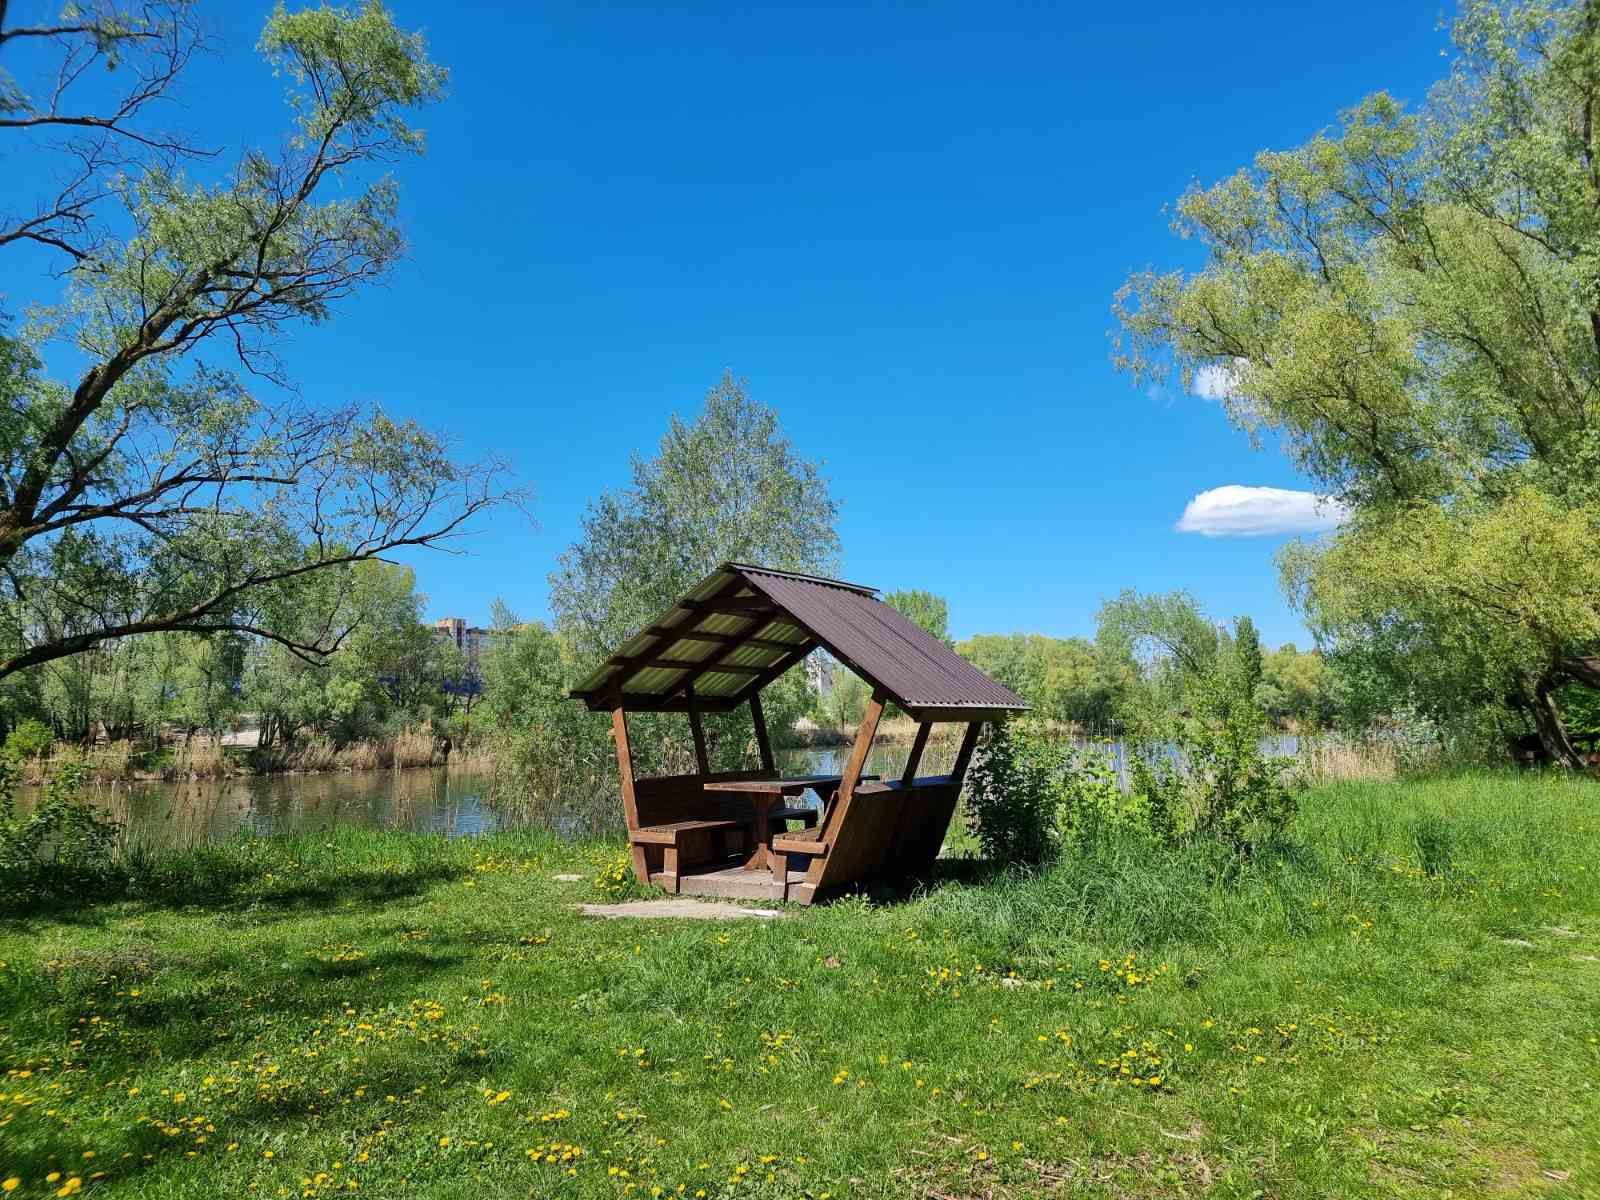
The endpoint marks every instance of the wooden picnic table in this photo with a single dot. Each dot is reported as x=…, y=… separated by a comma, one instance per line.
x=766, y=795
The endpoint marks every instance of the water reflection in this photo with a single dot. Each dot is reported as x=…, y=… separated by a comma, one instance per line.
x=184, y=813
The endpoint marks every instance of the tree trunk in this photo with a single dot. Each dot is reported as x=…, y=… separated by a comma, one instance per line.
x=1547, y=723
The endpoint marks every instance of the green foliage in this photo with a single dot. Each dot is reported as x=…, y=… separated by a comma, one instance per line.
x=389, y=672
x=153, y=491
x=30, y=739
x=1247, y=654
x=65, y=849
x=1411, y=303
x=551, y=754
x=1064, y=679
x=1293, y=686
x=1206, y=776
x=1011, y=795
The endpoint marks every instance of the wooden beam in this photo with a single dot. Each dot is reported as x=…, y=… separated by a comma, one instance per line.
x=762, y=743
x=969, y=743
x=915, y=760
x=638, y=702
x=699, y=732
x=621, y=676
x=619, y=734
x=702, y=635
x=865, y=732
x=731, y=605
x=682, y=664
x=715, y=657
x=951, y=715
x=630, y=802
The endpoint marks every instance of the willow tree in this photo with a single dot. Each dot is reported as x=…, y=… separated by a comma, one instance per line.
x=153, y=476
x=1411, y=303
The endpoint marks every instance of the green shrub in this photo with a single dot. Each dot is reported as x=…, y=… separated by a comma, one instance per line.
x=63, y=850
x=1012, y=794
x=30, y=739
x=1209, y=778
x=1031, y=791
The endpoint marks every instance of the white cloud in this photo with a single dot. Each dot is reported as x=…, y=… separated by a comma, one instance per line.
x=1238, y=511
x=1216, y=381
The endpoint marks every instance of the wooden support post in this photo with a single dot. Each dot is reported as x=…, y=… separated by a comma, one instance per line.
x=762, y=743
x=840, y=857
x=669, y=864
x=780, y=872
x=858, y=753
x=701, y=762
x=915, y=760
x=630, y=803
x=969, y=743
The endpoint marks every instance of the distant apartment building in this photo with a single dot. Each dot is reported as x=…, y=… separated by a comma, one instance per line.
x=469, y=639
x=820, y=668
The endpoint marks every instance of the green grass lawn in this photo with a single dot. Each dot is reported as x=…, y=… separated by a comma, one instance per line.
x=1406, y=1004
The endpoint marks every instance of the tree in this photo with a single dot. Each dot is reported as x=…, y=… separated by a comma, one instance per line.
x=1064, y=679
x=153, y=491
x=1293, y=687
x=389, y=670
x=726, y=486
x=1165, y=633
x=1411, y=302
x=1247, y=652
x=924, y=609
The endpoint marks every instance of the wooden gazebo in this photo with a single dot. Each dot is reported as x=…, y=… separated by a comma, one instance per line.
x=727, y=833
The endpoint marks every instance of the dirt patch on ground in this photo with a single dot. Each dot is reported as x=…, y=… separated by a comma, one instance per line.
x=682, y=910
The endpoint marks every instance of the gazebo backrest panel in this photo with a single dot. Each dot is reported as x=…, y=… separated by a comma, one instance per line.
x=742, y=626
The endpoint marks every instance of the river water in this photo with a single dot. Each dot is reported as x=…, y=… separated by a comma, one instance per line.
x=438, y=800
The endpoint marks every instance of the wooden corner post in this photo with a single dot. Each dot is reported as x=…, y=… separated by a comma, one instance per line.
x=914, y=760
x=697, y=728
x=858, y=753
x=630, y=801
x=763, y=743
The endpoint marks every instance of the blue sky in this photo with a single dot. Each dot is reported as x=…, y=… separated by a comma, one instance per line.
x=903, y=225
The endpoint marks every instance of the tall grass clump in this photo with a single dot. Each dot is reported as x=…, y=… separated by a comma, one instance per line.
x=200, y=757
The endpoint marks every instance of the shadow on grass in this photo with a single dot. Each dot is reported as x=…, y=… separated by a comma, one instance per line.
x=945, y=873
x=237, y=889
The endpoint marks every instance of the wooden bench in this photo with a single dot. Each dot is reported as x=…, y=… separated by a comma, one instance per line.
x=673, y=824
x=674, y=835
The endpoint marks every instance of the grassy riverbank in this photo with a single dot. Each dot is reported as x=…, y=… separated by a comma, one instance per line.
x=1404, y=1004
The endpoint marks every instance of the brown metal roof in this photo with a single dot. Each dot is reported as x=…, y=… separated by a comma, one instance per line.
x=747, y=625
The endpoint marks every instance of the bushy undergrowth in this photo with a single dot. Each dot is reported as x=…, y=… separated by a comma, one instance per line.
x=62, y=849
x=1208, y=777
x=1033, y=793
